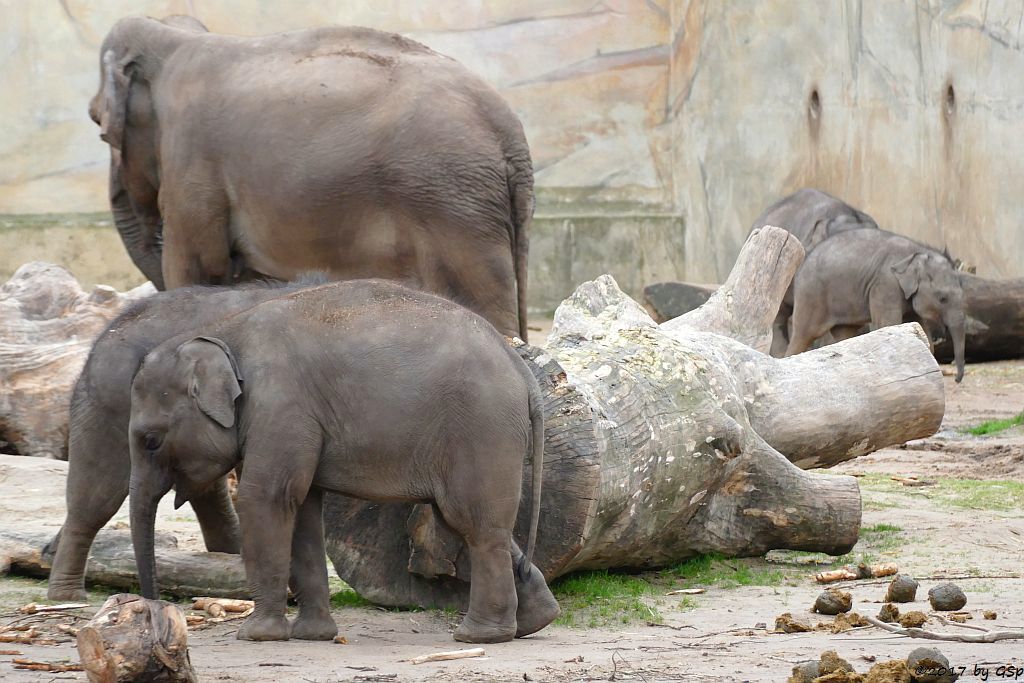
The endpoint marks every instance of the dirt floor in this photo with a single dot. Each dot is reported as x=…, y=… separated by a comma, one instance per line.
x=963, y=520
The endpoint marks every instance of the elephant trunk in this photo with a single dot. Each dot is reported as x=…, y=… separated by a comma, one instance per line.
x=956, y=324
x=145, y=494
x=139, y=239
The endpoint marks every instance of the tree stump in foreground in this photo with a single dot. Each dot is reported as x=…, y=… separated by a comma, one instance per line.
x=47, y=327
x=134, y=639
x=663, y=442
x=995, y=320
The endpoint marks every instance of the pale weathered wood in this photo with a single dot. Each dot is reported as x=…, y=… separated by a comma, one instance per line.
x=47, y=326
x=132, y=639
x=680, y=423
x=744, y=308
x=112, y=563
x=995, y=320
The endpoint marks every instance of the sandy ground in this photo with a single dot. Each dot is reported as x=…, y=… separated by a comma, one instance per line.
x=721, y=635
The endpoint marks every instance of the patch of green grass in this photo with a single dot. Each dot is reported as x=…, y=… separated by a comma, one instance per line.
x=881, y=528
x=993, y=426
x=979, y=494
x=715, y=570
x=349, y=598
x=601, y=598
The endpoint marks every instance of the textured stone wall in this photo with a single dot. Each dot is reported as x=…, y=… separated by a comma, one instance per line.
x=659, y=128
x=912, y=111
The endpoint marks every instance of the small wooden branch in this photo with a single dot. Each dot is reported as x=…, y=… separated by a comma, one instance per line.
x=987, y=637
x=444, y=656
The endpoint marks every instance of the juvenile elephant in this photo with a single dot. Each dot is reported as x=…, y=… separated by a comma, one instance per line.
x=348, y=150
x=99, y=464
x=811, y=216
x=876, y=277
x=365, y=388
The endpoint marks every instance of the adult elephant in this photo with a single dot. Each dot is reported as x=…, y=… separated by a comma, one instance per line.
x=876, y=277
x=349, y=150
x=811, y=216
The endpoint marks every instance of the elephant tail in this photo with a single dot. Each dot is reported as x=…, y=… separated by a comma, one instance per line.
x=537, y=441
x=520, y=187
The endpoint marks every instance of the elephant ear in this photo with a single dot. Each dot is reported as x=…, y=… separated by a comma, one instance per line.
x=908, y=274
x=215, y=382
x=117, y=81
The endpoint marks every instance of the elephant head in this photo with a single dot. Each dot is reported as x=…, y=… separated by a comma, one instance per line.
x=932, y=287
x=181, y=433
x=130, y=58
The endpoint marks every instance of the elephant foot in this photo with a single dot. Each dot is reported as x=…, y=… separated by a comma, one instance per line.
x=265, y=628
x=66, y=593
x=537, y=606
x=473, y=631
x=318, y=627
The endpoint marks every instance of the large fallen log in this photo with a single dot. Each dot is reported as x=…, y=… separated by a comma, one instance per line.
x=658, y=439
x=47, y=326
x=995, y=320
x=112, y=563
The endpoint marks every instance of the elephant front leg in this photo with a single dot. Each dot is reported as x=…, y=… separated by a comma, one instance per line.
x=309, y=573
x=268, y=520
x=217, y=519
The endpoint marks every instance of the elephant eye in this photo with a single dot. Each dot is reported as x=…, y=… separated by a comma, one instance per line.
x=942, y=298
x=152, y=441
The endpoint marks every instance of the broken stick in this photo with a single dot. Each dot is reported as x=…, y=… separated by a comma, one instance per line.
x=986, y=637
x=453, y=654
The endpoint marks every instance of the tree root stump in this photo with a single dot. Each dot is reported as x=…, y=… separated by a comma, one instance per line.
x=663, y=442
x=134, y=639
x=47, y=327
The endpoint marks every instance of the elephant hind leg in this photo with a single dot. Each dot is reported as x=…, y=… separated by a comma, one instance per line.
x=807, y=327
x=844, y=332
x=481, y=506
x=537, y=607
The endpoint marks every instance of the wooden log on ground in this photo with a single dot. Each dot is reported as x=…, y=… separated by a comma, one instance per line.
x=654, y=451
x=132, y=639
x=667, y=300
x=112, y=563
x=47, y=326
x=995, y=320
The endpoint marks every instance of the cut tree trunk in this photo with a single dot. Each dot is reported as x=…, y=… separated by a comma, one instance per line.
x=47, y=327
x=132, y=639
x=995, y=320
x=112, y=563
x=659, y=439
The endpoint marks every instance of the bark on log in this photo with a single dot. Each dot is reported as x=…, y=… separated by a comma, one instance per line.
x=47, y=326
x=132, y=639
x=658, y=440
x=995, y=320
x=112, y=563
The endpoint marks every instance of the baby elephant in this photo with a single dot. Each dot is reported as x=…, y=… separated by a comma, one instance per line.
x=361, y=387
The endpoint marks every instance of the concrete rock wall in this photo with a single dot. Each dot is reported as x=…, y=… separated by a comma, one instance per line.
x=912, y=111
x=659, y=128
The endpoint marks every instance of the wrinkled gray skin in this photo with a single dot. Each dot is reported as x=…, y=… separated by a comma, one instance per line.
x=347, y=150
x=876, y=277
x=811, y=216
x=98, y=458
x=364, y=388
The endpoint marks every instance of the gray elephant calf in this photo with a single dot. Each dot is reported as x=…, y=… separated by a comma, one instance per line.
x=98, y=458
x=877, y=277
x=364, y=388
